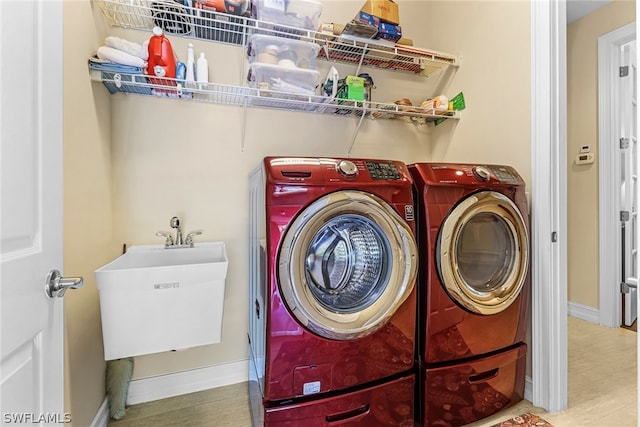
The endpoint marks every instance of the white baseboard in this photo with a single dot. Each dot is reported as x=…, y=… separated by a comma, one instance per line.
x=528, y=388
x=102, y=416
x=584, y=312
x=163, y=386
x=149, y=389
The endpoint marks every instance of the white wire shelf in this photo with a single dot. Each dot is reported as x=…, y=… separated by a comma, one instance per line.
x=209, y=25
x=140, y=84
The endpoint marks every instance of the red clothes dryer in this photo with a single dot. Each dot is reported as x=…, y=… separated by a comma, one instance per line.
x=473, y=290
x=333, y=262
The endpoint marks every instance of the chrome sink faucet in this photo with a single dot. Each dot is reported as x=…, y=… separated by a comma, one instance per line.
x=175, y=224
x=179, y=241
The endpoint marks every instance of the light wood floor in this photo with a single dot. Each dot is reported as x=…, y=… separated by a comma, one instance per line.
x=603, y=385
x=602, y=391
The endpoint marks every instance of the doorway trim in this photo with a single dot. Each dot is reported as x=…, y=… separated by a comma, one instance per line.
x=610, y=311
x=549, y=206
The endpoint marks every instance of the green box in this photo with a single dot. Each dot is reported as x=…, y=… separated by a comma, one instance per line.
x=355, y=88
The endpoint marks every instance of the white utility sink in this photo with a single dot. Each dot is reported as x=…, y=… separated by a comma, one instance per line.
x=158, y=256
x=155, y=299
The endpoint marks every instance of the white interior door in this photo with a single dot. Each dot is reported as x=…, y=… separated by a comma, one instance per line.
x=629, y=180
x=31, y=103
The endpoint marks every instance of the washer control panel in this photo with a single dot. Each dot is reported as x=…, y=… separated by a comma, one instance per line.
x=383, y=170
x=319, y=171
x=347, y=168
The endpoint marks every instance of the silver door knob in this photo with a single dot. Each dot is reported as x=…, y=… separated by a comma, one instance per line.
x=56, y=285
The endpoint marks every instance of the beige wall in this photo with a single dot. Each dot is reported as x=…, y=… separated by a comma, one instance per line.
x=170, y=157
x=88, y=212
x=582, y=128
x=493, y=39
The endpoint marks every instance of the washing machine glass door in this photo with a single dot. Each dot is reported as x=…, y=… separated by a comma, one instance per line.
x=482, y=253
x=345, y=264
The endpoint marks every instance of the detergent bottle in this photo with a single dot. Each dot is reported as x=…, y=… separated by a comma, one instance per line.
x=162, y=59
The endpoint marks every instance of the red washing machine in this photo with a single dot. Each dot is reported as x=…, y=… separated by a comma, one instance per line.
x=473, y=290
x=333, y=262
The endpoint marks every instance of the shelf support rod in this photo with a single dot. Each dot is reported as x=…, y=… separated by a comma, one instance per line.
x=244, y=123
x=364, y=52
x=355, y=134
x=243, y=73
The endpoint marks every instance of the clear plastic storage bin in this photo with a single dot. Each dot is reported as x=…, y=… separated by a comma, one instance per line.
x=292, y=13
x=291, y=80
x=288, y=53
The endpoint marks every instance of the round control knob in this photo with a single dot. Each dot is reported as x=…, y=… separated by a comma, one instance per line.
x=481, y=173
x=347, y=169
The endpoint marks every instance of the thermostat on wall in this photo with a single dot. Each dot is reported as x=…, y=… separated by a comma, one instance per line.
x=584, y=158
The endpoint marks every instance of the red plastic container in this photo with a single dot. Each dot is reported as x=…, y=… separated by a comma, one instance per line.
x=162, y=59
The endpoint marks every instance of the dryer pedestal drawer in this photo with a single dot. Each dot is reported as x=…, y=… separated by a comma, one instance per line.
x=390, y=404
x=464, y=392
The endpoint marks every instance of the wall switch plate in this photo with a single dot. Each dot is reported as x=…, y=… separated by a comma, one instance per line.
x=585, y=149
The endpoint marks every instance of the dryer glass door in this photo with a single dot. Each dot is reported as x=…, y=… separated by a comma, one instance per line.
x=345, y=264
x=483, y=252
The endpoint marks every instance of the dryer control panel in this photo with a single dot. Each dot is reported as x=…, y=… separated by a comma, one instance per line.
x=470, y=174
x=505, y=174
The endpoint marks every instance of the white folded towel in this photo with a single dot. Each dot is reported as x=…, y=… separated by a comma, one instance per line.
x=132, y=48
x=120, y=57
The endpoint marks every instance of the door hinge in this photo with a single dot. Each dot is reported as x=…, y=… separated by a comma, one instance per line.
x=624, y=71
x=554, y=236
x=624, y=216
x=624, y=143
x=625, y=288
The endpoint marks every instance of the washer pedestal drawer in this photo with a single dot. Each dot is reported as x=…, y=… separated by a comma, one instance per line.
x=461, y=393
x=389, y=404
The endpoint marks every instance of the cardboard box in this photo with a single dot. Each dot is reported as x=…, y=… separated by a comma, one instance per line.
x=405, y=41
x=389, y=32
x=360, y=29
x=351, y=87
x=386, y=10
x=366, y=18
x=328, y=30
